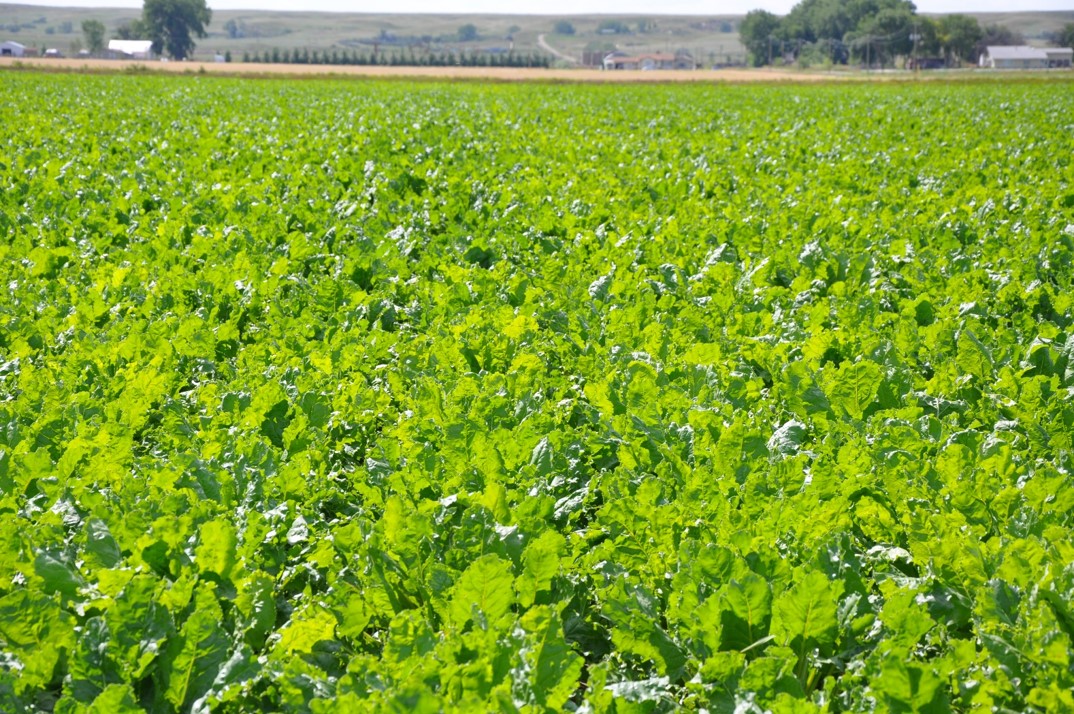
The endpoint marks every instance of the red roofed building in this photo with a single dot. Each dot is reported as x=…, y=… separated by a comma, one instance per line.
x=650, y=60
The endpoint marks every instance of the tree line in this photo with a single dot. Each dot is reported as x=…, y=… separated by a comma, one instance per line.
x=399, y=59
x=870, y=32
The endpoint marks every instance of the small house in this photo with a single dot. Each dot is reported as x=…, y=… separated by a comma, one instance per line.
x=12, y=49
x=649, y=61
x=130, y=49
x=1025, y=57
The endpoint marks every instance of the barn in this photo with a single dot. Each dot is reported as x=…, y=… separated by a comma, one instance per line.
x=12, y=49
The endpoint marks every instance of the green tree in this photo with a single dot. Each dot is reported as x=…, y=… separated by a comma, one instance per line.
x=468, y=32
x=173, y=24
x=958, y=36
x=133, y=30
x=833, y=22
x=563, y=27
x=235, y=29
x=756, y=33
x=94, y=33
x=1066, y=35
x=885, y=35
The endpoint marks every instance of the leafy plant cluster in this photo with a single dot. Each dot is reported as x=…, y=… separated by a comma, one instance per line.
x=419, y=397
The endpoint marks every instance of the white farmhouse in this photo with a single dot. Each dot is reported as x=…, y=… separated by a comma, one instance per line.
x=1025, y=57
x=130, y=49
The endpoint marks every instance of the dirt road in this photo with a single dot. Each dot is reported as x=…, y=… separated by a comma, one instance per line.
x=543, y=44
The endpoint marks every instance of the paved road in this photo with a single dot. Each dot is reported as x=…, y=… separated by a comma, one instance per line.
x=556, y=53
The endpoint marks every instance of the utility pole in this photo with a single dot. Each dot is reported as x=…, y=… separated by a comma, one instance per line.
x=915, y=37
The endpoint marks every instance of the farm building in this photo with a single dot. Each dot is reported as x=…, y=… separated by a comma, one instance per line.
x=655, y=60
x=1060, y=56
x=130, y=49
x=12, y=49
x=926, y=63
x=1025, y=57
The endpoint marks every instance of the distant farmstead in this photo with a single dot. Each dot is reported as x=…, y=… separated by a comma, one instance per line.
x=12, y=49
x=1025, y=57
x=130, y=49
x=656, y=60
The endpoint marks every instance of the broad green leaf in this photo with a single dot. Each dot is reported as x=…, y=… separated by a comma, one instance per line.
x=409, y=638
x=139, y=624
x=305, y=630
x=100, y=545
x=911, y=686
x=853, y=388
x=216, y=548
x=973, y=356
x=484, y=590
x=194, y=657
x=257, y=607
x=746, y=612
x=787, y=438
x=702, y=354
x=646, y=690
x=58, y=575
x=549, y=671
x=638, y=630
x=805, y=616
x=115, y=699
x=37, y=633
x=541, y=562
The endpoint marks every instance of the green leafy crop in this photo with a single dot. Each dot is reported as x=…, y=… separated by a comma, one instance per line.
x=425, y=397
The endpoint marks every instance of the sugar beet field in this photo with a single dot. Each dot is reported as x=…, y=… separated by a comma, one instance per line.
x=354, y=396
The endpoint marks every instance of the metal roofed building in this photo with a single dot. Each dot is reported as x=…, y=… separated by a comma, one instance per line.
x=132, y=49
x=1025, y=57
x=12, y=49
x=1060, y=56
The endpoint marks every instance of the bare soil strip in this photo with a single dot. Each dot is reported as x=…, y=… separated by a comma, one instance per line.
x=500, y=74
x=523, y=74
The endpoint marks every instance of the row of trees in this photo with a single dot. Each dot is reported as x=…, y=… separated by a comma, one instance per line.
x=866, y=31
x=614, y=27
x=401, y=59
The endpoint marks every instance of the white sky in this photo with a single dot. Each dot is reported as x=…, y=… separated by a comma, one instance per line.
x=567, y=7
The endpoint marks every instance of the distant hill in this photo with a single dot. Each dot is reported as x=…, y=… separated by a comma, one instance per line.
x=711, y=39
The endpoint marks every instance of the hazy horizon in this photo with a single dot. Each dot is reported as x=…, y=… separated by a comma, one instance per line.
x=553, y=7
